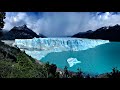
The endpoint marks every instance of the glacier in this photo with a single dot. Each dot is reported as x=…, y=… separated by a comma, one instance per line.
x=40, y=47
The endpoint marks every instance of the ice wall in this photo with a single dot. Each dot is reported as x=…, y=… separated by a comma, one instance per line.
x=58, y=44
x=40, y=47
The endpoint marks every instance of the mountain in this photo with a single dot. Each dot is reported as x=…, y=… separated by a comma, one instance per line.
x=111, y=33
x=2, y=32
x=83, y=34
x=21, y=32
x=42, y=36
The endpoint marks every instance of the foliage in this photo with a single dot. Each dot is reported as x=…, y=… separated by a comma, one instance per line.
x=23, y=66
x=2, y=17
x=114, y=74
x=88, y=76
x=51, y=70
x=79, y=74
x=66, y=73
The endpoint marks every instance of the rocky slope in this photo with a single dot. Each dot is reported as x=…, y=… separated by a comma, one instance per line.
x=16, y=64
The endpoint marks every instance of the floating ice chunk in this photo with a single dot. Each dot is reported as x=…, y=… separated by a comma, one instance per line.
x=72, y=61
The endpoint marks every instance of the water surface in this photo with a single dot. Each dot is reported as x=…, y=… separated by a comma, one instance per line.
x=98, y=60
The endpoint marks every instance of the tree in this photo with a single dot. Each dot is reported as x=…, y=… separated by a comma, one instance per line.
x=53, y=69
x=57, y=75
x=66, y=73
x=47, y=68
x=79, y=73
x=88, y=76
x=115, y=73
x=2, y=17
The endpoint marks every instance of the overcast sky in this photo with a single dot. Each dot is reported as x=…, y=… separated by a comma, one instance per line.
x=55, y=24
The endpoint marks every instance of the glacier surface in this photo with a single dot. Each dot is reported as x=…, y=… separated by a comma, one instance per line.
x=40, y=47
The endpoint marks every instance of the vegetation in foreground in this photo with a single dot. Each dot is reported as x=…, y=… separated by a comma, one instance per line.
x=16, y=64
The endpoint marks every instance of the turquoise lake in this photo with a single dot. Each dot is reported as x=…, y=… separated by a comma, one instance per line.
x=98, y=60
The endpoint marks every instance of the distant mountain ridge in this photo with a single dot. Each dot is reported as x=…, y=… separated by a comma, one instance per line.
x=42, y=36
x=111, y=33
x=21, y=32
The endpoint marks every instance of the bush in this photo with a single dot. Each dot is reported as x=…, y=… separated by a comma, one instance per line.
x=114, y=74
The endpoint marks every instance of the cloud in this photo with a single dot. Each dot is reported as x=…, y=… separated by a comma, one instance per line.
x=61, y=23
